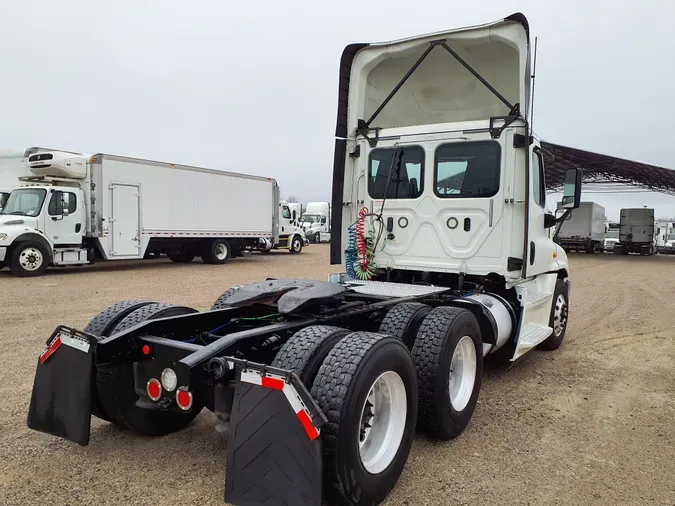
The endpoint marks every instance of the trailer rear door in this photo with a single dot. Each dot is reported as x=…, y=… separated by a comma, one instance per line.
x=125, y=220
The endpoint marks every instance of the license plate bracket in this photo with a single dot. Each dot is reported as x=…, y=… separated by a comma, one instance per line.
x=60, y=402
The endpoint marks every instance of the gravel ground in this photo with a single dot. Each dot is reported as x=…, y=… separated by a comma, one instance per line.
x=592, y=423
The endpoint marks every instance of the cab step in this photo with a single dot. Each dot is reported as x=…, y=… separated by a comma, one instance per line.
x=531, y=335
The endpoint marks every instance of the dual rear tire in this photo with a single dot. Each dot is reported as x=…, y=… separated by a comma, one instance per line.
x=113, y=390
x=375, y=391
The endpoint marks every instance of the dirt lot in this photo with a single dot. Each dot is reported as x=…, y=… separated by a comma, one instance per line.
x=593, y=423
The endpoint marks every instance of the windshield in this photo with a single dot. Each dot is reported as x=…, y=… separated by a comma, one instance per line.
x=613, y=234
x=25, y=202
x=671, y=237
x=310, y=218
x=3, y=199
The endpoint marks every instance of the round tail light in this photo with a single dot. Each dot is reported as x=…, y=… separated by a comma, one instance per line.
x=184, y=398
x=154, y=389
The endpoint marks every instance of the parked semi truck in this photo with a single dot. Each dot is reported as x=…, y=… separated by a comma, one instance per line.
x=323, y=384
x=636, y=232
x=584, y=228
x=662, y=230
x=669, y=245
x=75, y=208
x=316, y=221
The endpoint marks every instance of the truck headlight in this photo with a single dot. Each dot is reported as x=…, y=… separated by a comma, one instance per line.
x=3, y=237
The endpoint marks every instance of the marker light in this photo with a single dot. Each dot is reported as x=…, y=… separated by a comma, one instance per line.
x=169, y=380
x=154, y=389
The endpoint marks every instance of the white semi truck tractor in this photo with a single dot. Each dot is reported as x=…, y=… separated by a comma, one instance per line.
x=74, y=209
x=439, y=218
x=316, y=221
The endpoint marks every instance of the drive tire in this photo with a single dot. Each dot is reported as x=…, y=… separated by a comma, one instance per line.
x=100, y=326
x=437, y=339
x=181, y=257
x=221, y=302
x=559, y=310
x=115, y=384
x=217, y=252
x=404, y=320
x=22, y=253
x=306, y=350
x=296, y=245
x=341, y=389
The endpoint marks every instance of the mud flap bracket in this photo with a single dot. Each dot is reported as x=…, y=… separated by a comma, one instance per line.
x=274, y=451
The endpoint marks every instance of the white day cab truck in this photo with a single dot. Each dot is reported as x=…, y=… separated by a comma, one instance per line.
x=636, y=232
x=316, y=221
x=321, y=386
x=584, y=228
x=76, y=208
x=663, y=230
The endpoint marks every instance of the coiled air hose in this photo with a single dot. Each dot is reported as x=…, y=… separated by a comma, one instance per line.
x=360, y=249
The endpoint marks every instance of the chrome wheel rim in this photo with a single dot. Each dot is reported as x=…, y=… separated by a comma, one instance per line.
x=221, y=251
x=462, y=373
x=296, y=244
x=560, y=315
x=30, y=259
x=383, y=419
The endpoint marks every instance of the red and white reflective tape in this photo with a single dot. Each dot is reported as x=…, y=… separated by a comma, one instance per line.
x=68, y=340
x=278, y=383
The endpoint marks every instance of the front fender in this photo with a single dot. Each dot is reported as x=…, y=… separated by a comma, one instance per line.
x=32, y=236
x=561, y=263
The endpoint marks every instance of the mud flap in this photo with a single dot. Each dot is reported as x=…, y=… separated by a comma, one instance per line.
x=274, y=451
x=60, y=403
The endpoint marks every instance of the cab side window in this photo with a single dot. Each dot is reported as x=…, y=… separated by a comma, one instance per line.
x=62, y=200
x=538, y=180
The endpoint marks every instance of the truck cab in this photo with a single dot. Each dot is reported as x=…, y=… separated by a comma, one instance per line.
x=4, y=195
x=44, y=219
x=445, y=184
x=316, y=221
x=290, y=235
x=39, y=224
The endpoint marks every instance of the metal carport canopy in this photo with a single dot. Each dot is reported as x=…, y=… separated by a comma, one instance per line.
x=603, y=169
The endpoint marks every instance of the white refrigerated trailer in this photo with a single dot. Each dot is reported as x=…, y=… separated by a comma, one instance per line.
x=76, y=208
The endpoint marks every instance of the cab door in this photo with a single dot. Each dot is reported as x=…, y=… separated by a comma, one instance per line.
x=540, y=250
x=65, y=217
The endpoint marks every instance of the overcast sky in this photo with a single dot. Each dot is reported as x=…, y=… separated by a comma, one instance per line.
x=252, y=86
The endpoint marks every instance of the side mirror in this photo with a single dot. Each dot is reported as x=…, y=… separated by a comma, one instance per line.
x=64, y=208
x=572, y=189
x=293, y=214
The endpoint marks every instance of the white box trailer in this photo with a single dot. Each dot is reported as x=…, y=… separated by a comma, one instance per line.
x=584, y=228
x=636, y=232
x=76, y=208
